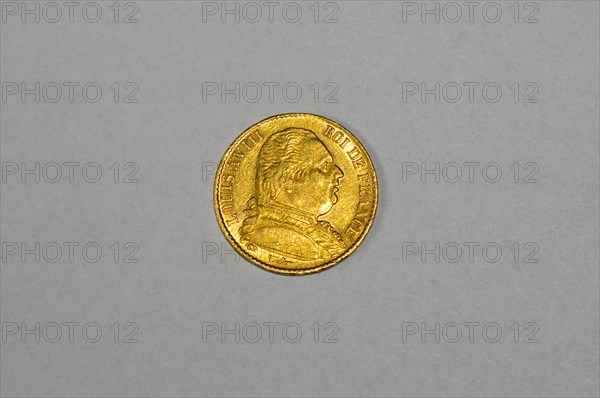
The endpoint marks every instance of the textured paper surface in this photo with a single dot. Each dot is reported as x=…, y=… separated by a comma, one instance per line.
x=181, y=287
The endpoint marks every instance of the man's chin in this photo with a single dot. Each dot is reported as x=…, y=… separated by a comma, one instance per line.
x=327, y=208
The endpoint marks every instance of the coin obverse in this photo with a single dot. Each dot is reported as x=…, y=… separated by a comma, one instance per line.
x=295, y=193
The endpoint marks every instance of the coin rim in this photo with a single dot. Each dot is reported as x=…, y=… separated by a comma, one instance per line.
x=248, y=256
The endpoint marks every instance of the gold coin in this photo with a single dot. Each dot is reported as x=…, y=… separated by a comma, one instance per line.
x=295, y=193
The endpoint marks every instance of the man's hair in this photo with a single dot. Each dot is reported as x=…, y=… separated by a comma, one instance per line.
x=280, y=162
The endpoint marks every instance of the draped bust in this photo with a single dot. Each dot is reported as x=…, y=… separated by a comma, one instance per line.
x=296, y=183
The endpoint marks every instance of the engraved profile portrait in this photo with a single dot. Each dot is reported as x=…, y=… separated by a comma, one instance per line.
x=296, y=183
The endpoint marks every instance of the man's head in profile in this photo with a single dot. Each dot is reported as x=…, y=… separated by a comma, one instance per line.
x=296, y=182
x=295, y=169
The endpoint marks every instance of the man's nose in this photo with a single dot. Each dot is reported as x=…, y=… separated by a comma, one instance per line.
x=338, y=172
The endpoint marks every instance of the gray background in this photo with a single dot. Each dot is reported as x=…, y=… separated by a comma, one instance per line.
x=171, y=132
